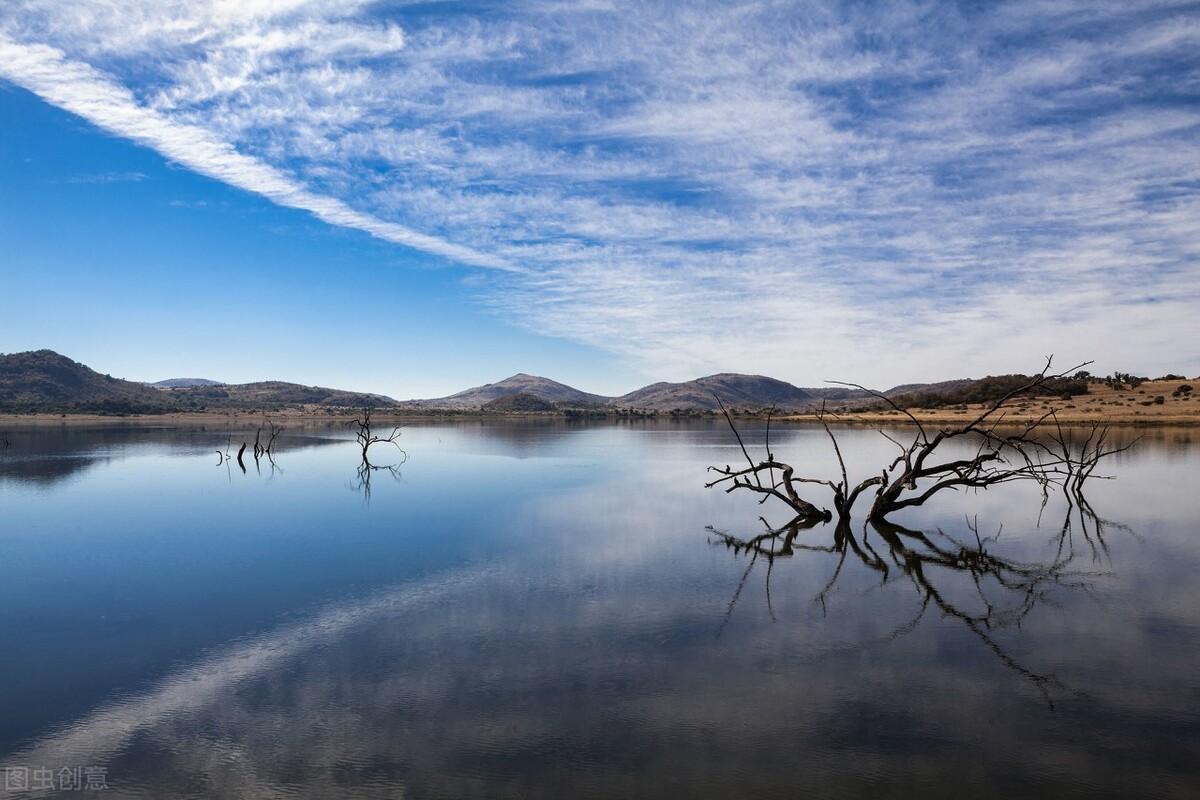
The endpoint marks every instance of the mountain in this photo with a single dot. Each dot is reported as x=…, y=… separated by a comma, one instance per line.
x=532, y=385
x=739, y=391
x=45, y=381
x=184, y=383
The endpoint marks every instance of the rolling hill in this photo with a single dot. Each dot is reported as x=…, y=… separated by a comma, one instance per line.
x=531, y=385
x=43, y=380
x=47, y=382
x=518, y=404
x=281, y=393
x=183, y=383
x=739, y=391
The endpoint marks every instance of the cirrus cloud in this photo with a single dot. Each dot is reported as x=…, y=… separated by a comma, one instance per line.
x=811, y=190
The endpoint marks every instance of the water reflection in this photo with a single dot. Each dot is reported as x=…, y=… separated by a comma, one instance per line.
x=49, y=454
x=1004, y=592
x=100, y=737
x=533, y=613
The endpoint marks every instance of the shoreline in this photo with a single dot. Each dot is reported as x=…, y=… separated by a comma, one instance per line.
x=872, y=418
x=1071, y=420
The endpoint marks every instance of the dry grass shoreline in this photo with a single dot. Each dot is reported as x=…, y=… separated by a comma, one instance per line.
x=246, y=418
x=1102, y=404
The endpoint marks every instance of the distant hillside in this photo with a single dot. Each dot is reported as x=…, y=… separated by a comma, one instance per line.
x=946, y=393
x=838, y=394
x=739, y=391
x=835, y=394
x=983, y=390
x=44, y=381
x=280, y=393
x=939, y=388
x=531, y=385
x=518, y=403
x=184, y=383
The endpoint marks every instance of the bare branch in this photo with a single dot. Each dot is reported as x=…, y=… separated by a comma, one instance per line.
x=1039, y=451
x=366, y=437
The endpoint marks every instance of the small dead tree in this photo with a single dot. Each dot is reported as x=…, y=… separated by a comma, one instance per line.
x=366, y=437
x=223, y=455
x=1041, y=451
x=266, y=448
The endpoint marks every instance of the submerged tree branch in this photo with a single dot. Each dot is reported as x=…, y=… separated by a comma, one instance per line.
x=366, y=438
x=783, y=488
x=1041, y=451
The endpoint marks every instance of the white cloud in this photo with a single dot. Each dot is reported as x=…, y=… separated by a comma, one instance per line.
x=83, y=90
x=107, y=177
x=809, y=190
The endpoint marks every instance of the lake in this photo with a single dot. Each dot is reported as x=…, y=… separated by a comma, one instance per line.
x=548, y=609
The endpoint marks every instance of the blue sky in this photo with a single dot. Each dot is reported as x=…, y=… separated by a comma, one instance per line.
x=412, y=198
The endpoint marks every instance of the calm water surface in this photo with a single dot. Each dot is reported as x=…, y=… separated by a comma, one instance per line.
x=540, y=610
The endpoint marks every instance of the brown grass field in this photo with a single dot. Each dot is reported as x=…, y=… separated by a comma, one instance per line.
x=1101, y=404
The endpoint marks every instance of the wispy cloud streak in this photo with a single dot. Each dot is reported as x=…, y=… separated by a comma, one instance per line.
x=811, y=190
x=83, y=90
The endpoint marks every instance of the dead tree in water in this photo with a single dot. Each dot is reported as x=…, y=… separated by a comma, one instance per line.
x=223, y=455
x=365, y=438
x=1040, y=451
x=783, y=489
x=267, y=449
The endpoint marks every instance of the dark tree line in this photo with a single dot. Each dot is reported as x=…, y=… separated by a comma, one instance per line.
x=985, y=390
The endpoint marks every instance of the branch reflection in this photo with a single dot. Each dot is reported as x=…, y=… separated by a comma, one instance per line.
x=1004, y=590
